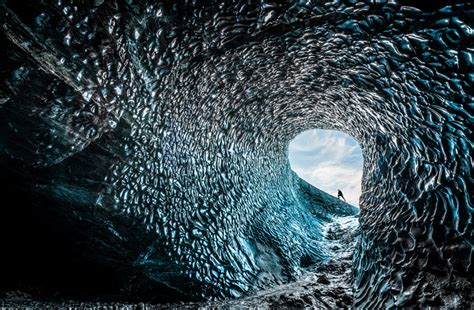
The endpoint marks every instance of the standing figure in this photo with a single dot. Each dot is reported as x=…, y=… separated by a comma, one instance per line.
x=340, y=195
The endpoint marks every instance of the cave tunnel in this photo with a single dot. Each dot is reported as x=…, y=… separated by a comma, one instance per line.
x=145, y=149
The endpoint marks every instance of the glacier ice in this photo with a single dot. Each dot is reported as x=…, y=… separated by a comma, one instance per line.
x=164, y=127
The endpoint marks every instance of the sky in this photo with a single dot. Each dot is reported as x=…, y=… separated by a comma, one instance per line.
x=329, y=160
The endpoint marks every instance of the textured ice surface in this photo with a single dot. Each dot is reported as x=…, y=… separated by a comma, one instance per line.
x=165, y=127
x=323, y=286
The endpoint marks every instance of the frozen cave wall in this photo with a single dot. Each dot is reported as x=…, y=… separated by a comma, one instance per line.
x=160, y=130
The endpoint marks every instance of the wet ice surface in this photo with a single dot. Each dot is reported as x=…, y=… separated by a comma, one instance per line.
x=326, y=286
x=159, y=132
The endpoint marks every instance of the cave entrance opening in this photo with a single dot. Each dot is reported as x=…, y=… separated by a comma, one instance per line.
x=329, y=160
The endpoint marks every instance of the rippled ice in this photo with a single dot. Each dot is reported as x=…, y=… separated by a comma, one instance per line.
x=168, y=124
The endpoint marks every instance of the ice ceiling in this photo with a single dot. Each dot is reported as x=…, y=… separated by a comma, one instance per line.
x=165, y=127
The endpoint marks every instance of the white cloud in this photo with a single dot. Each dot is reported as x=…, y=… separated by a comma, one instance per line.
x=329, y=160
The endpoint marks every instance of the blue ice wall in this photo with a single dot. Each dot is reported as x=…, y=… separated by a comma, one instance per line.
x=175, y=117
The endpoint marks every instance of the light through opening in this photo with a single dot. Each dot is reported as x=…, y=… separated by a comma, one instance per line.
x=329, y=160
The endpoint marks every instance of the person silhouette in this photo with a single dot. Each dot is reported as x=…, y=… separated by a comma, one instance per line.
x=340, y=195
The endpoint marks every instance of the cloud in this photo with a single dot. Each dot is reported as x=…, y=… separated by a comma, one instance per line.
x=329, y=160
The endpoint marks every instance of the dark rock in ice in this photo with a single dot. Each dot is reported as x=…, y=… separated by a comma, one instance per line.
x=323, y=279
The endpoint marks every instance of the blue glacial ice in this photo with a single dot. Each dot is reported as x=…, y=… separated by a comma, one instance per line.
x=164, y=127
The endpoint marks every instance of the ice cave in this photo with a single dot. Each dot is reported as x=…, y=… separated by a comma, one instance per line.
x=144, y=153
